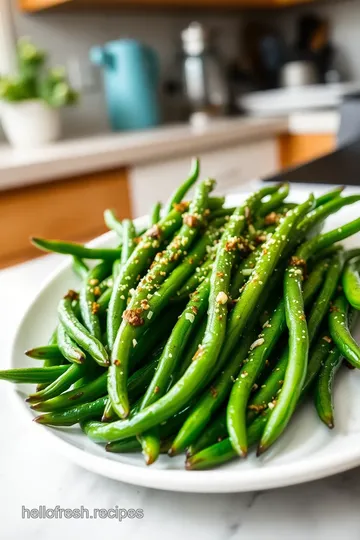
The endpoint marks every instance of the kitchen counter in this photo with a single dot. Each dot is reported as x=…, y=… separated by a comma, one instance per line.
x=85, y=155
x=91, y=154
x=33, y=475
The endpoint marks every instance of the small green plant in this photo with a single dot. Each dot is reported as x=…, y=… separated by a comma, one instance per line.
x=35, y=81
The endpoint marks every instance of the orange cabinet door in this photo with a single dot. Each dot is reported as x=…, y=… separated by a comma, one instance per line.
x=298, y=149
x=70, y=209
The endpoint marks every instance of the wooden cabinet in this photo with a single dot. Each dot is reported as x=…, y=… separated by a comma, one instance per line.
x=297, y=149
x=69, y=210
x=38, y=5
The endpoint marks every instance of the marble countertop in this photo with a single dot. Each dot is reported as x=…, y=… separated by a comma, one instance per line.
x=90, y=154
x=32, y=475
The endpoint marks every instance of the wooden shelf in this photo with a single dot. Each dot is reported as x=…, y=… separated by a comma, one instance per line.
x=40, y=5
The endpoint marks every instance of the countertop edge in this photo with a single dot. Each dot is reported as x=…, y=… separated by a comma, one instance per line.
x=87, y=155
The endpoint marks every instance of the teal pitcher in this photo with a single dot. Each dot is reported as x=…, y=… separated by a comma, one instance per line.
x=131, y=80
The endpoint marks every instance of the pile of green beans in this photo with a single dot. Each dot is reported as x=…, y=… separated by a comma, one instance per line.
x=203, y=333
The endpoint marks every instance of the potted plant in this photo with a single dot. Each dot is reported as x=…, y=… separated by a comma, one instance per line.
x=31, y=101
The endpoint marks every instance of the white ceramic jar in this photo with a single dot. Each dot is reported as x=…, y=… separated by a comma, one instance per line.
x=29, y=124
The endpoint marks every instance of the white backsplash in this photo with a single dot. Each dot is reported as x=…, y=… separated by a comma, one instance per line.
x=71, y=35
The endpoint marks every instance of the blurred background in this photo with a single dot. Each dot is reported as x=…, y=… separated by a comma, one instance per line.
x=103, y=102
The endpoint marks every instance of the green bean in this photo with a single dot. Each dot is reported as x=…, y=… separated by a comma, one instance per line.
x=220, y=389
x=326, y=240
x=211, y=457
x=274, y=200
x=323, y=389
x=155, y=213
x=323, y=211
x=88, y=377
x=329, y=196
x=78, y=332
x=68, y=348
x=89, y=293
x=214, y=433
x=223, y=451
x=79, y=250
x=137, y=384
x=150, y=444
x=351, y=282
x=319, y=353
x=249, y=373
x=80, y=268
x=244, y=271
x=206, y=357
x=222, y=212
x=62, y=383
x=181, y=191
x=169, y=360
x=190, y=351
x=135, y=266
x=340, y=333
x=321, y=305
x=133, y=324
x=215, y=203
x=212, y=399
x=325, y=253
x=315, y=280
x=108, y=414
x=69, y=417
x=176, y=344
x=153, y=337
x=263, y=270
x=166, y=430
x=300, y=336
x=217, y=454
x=195, y=279
x=298, y=357
x=115, y=270
x=123, y=447
x=285, y=207
x=48, y=352
x=133, y=445
x=129, y=235
x=140, y=380
x=82, y=394
x=128, y=248
x=33, y=375
x=274, y=382
x=113, y=223
x=105, y=283
x=103, y=301
x=49, y=362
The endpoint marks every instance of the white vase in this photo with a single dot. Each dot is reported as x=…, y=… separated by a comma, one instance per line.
x=29, y=124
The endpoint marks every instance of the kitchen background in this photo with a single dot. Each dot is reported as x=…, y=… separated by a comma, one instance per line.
x=69, y=36
x=248, y=48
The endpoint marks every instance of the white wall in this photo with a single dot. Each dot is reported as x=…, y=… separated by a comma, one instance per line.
x=66, y=35
x=344, y=17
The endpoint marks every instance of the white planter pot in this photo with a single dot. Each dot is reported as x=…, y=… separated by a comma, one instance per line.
x=29, y=124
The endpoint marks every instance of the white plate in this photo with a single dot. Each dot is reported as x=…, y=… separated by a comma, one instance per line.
x=302, y=98
x=306, y=452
